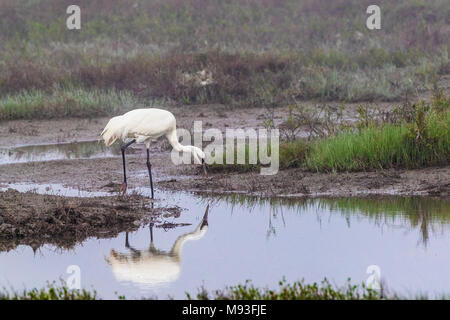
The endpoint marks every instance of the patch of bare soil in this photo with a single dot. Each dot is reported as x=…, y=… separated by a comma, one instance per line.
x=33, y=219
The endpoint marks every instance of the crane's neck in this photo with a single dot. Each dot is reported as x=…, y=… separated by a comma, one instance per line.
x=196, y=152
x=197, y=234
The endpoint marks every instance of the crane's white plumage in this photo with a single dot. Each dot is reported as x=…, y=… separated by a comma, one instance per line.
x=145, y=125
x=142, y=126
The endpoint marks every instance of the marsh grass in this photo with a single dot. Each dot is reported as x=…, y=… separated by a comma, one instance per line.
x=291, y=155
x=237, y=79
x=38, y=104
x=418, y=137
x=52, y=291
x=260, y=53
x=424, y=142
x=298, y=290
x=371, y=148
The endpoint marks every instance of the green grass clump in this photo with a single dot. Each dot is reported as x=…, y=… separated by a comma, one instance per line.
x=38, y=104
x=425, y=142
x=293, y=154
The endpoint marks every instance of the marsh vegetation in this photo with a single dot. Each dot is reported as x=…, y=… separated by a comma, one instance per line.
x=298, y=290
x=236, y=53
x=409, y=136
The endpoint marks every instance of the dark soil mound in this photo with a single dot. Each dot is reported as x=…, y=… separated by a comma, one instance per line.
x=34, y=219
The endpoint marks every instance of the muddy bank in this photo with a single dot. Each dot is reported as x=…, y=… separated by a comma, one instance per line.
x=33, y=219
x=300, y=183
x=106, y=175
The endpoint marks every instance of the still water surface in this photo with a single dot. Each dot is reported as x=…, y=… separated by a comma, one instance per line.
x=258, y=239
x=57, y=151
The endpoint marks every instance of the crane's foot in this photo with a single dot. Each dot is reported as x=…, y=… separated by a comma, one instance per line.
x=123, y=189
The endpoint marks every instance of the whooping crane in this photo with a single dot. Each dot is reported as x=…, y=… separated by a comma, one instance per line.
x=142, y=126
x=152, y=267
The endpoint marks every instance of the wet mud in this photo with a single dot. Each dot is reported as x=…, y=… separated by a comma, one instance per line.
x=34, y=219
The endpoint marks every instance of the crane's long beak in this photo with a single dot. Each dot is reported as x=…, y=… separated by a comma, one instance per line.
x=205, y=217
x=204, y=167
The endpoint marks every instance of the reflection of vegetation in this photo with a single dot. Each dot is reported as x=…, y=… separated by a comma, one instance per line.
x=425, y=214
x=421, y=213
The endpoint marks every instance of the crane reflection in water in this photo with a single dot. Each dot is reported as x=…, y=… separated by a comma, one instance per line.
x=153, y=267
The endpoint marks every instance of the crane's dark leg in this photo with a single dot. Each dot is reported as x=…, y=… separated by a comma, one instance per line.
x=127, y=244
x=123, y=148
x=151, y=231
x=149, y=167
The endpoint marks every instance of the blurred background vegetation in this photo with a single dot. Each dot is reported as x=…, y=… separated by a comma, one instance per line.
x=240, y=53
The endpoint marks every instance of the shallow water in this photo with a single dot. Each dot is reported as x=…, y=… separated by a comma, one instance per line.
x=46, y=152
x=258, y=239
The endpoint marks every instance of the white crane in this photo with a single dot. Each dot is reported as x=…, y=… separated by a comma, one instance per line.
x=153, y=267
x=143, y=126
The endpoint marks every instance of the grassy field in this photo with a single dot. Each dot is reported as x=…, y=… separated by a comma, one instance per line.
x=37, y=104
x=236, y=53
